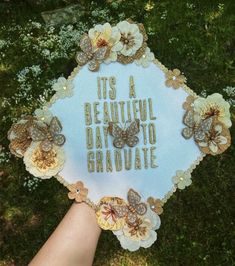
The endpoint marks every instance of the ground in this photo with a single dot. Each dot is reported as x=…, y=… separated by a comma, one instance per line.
x=194, y=36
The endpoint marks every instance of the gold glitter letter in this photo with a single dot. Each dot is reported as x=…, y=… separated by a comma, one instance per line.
x=109, y=167
x=89, y=138
x=118, y=160
x=128, y=159
x=98, y=88
x=144, y=126
x=153, y=157
x=99, y=161
x=106, y=113
x=131, y=87
x=112, y=92
x=145, y=150
x=106, y=134
x=90, y=162
x=151, y=115
x=114, y=112
x=104, y=79
x=135, y=110
x=137, y=159
x=87, y=109
x=98, y=138
x=143, y=110
x=152, y=133
x=96, y=112
x=122, y=103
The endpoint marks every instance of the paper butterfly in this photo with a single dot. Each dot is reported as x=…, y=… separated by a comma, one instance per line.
x=195, y=129
x=134, y=207
x=49, y=135
x=90, y=55
x=124, y=136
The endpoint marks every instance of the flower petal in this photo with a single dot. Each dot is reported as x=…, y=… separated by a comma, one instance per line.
x=213, y=146
x=150, y=240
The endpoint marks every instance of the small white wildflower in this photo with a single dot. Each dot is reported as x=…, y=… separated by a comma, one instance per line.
x=36, y=25
x=36, y=70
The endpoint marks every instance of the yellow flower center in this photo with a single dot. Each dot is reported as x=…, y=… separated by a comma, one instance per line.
x=44, y=160
x=128, y=40
x=211, y=110
x=101, y=43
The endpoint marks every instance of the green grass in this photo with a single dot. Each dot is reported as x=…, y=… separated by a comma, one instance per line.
x=197, y=223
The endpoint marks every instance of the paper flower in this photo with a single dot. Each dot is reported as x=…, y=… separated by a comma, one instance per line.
x=182, y=179
x=141, y=233
x=189, y=103
x=43, y=114
x=19, y=136
x=78, y=192
x=217, y=140
x=145, y=59
x=105, y=35
x=131, y=39
x=213, y=106
x=174, y=78
x=106, y=216
x=44, y=164
x=63, y=88
x=155, y=205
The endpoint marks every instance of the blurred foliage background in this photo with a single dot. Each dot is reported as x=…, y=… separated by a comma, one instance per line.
x=38, y=41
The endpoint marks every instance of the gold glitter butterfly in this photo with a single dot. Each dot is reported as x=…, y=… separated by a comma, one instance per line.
x=90, y=55
x=124, y=135
x=48, y=135
x=132, y=209
x=198, y=130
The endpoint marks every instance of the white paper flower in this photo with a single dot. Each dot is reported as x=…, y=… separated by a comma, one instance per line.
x=43, y=115
x=217, y=140
x=182, y=179
x=105, y=35
x=44, y=164
x=142, y=234
x=63, y=88
x=131, y=39
x=213, y=105
x=145, y=59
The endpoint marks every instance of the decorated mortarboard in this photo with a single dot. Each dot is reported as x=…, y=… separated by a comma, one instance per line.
x=122, y=133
